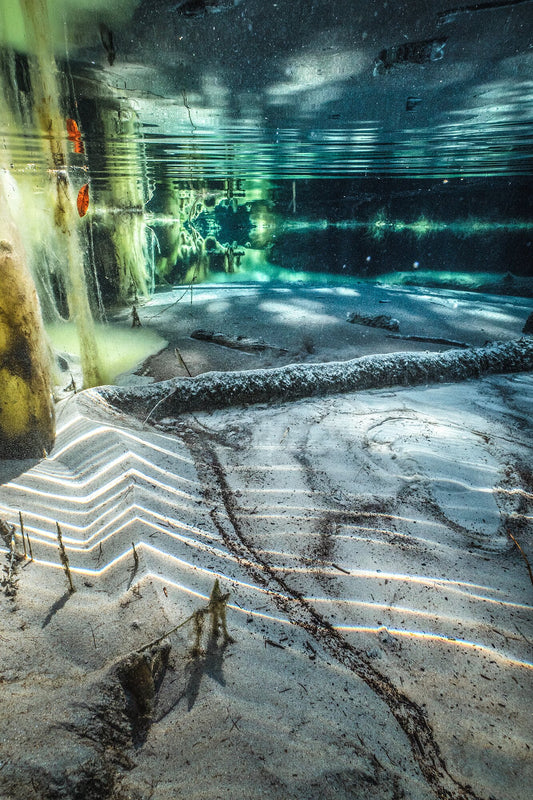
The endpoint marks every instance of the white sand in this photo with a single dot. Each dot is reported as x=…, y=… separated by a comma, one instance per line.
x=380, y=610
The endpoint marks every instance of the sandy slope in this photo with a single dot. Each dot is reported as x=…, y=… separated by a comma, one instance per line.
x=380, y=610
x=309, y=321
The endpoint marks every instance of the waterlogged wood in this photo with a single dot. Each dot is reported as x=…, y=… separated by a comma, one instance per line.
x=295, y=381
x=245, y=343
x=27, y=425
x=43, y=73
x=377, y=321
x=428, y=339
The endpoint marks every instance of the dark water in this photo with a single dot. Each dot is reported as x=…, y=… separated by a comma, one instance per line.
x=448, y=207
x=464, y=148
x=299, y=142
x=472, y=233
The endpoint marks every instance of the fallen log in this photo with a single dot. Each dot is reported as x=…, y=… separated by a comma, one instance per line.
x=236, y=342
x=429, y=339
x=378, y=321
x=294, y=381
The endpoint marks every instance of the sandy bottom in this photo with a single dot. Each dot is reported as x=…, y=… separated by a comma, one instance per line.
x=308, y=323
x=374, y=547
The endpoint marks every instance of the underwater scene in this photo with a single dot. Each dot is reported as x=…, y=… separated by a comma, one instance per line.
x=266, y=399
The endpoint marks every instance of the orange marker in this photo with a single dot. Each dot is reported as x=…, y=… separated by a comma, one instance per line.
x=83, y=200
x=74, y=135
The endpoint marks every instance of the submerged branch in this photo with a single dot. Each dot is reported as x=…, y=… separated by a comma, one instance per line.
x=295, y=381
x=526, y=559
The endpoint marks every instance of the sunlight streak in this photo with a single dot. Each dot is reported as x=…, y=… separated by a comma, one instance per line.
x=435, y=637
x=129, y=475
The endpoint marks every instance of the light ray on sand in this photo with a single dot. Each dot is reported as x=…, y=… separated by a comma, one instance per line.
x=129, y=475
x=396, y=610
x=435, y=637
x=96, y=476
x=80, y=546
x=376, y=630
x=133, y=513
x=93, y=431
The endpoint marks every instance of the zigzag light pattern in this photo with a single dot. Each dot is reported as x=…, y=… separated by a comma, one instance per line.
x=109, y=487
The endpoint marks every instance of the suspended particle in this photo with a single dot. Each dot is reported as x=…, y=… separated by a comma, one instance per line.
x=83, y=200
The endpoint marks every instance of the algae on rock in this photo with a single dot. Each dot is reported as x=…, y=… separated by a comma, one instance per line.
x=26, y=404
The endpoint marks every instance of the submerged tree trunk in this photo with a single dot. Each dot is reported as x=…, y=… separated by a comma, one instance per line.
x=124, y=200
x=42, y=71
x=26, y=404
x=295, y=381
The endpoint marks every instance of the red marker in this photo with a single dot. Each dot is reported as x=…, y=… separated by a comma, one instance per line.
x=74, y=135
x=83, y=200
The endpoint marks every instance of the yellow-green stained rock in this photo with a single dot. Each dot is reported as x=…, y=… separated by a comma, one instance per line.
x=26, y=404
x=5, y=336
